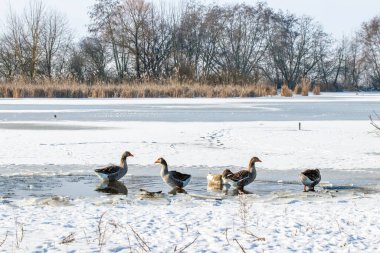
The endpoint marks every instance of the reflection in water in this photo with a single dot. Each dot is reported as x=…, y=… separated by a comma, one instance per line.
x=226, y=190
x=18, y=187
x=174, y=191
x=236, y=191
x=214, y=188
x=115, y=187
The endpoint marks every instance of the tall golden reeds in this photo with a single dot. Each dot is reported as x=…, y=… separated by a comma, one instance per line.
x=69, y=89
x=285, y=91
x=317, y=90
x=298, y=89
x=305, y=83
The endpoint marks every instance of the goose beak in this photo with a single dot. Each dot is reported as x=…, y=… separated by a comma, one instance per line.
x=157, y=161
x=131, y=155
x=258, y=160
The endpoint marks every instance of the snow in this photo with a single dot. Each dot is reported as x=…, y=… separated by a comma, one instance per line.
x=327, y=225
x=341, y=145
x=344, y=218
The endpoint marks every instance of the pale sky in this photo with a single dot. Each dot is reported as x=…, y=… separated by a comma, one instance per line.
x=336, y=16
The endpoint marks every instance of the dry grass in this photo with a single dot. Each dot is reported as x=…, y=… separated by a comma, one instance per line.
x=285, y=91
x=5, y=238
x=19, y=233
x=317, y=90
x=68, y=89
x=305, y=83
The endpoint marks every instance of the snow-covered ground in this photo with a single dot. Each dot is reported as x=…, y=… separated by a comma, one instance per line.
x=196, y=138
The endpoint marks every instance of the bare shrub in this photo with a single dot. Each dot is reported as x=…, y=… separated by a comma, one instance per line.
x=101, y=231
x=142, y=243
x=5, y=238
x=182, y=249
x=240, y=246
x=245, y=216
x=285, y=91
x=244, y=207
x=19, y=233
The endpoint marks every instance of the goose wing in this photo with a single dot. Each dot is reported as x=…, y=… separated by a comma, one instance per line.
x=313, y=175
x=238, y=176
x=109, y=169
x=178, y=176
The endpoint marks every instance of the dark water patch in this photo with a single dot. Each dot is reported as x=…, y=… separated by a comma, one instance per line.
x=18, y=187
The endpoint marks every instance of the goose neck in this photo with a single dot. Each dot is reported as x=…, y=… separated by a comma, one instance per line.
x=164, y=169
x=252, y=168
x=123, y=164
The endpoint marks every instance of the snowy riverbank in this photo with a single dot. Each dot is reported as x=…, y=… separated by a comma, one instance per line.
x=40, y=153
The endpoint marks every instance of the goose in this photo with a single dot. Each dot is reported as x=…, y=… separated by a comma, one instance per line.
x=310, y=178
x=173, y=178
x=214, y=181
x=243, y=177
x=114, y=172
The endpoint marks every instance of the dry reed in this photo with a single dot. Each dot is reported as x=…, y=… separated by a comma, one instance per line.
x=317, y=90
x=298, y=89
x=305, y=86
x=67, y=89
x=285, y=91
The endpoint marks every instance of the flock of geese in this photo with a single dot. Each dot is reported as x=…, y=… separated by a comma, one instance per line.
x=309, y=178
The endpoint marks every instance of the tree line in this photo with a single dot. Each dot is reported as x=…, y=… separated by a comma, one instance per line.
x=135, y=40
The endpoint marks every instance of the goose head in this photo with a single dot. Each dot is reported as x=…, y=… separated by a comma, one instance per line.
x=125, y=155
x=161, y=161
x=254, y=160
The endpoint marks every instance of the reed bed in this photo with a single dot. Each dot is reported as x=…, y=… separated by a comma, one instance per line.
x=132, y=90
x=305, y=83
x=286, y=91
x=317, y=90
x=298, y=89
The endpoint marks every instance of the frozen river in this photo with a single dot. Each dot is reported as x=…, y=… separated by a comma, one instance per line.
x=314, y=108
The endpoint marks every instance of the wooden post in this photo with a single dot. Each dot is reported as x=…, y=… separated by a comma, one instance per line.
x=299, y=125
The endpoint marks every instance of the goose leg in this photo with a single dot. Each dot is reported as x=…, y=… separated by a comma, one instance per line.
x=304, y=188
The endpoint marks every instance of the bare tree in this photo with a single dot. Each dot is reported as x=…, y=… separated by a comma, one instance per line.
x=157, y=43
x=353, y=64
x=76, y=65
x=96, y=58
x=33, y=25
x=243, y=42
x=187, y=42
x=293, y=47
x=133, y=16
x=330, y=63
x=370, y=38
x=105, y=16
x=56, y=38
